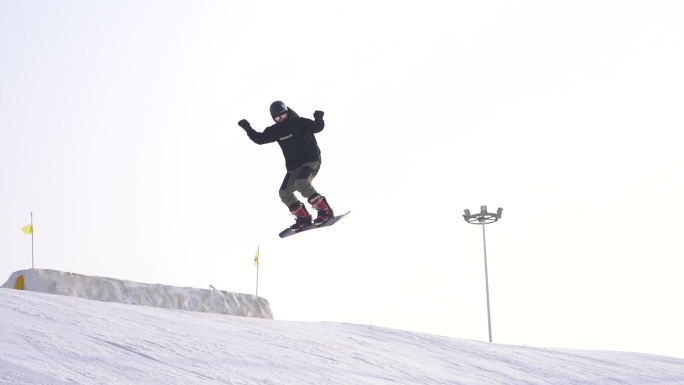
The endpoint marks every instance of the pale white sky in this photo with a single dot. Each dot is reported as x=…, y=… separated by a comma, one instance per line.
x=118, y=130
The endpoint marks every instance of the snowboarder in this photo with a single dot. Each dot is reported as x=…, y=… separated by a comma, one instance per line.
x=295, y=135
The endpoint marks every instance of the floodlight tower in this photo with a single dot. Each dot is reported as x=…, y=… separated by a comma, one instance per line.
x=484, y=218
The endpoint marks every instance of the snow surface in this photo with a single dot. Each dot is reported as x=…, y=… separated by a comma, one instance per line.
x=114, y=290
x=57, y=339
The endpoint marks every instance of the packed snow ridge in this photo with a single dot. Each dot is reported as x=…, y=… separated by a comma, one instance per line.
x=134, y=293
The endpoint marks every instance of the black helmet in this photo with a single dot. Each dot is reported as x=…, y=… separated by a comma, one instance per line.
x=278, y=108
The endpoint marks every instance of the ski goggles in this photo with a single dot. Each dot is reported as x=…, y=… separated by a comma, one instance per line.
x=280, y=117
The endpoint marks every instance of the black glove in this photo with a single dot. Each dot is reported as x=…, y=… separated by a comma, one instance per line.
x=244, y=124
x=318, y=115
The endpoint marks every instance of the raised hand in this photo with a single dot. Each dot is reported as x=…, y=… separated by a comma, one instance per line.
x=244, y=124
x=318, y=115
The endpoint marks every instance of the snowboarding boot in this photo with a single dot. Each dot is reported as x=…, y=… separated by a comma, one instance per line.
x=302, y=216
x=324, y=211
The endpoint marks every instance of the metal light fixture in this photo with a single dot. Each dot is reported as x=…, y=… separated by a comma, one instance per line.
x=484, y=218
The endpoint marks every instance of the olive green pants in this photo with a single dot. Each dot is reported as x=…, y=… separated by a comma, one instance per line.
x=299, y=180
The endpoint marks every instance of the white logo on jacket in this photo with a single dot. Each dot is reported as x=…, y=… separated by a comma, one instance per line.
x=286, y=137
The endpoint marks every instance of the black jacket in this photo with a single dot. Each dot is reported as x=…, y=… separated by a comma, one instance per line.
x=296, y=138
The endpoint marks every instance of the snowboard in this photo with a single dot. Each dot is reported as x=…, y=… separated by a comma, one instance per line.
x=287, y=232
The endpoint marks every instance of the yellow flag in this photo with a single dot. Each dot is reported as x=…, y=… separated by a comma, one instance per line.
x=28, y=229
x=256, y=257
x=19, y=283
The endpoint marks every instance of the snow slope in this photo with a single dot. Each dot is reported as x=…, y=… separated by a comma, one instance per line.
x=55, y=339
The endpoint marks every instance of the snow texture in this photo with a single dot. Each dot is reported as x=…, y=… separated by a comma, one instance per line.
x=58, y=339
x=134, y=293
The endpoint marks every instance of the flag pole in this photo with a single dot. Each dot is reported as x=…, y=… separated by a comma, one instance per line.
x=256, y=262
x=31, y=239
